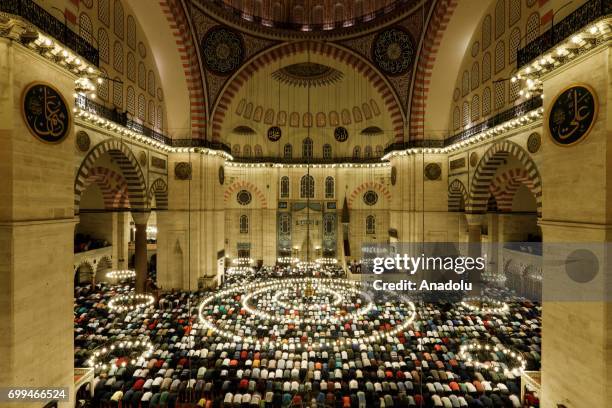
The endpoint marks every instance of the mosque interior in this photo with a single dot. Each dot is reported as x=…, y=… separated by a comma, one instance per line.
x=305, y=203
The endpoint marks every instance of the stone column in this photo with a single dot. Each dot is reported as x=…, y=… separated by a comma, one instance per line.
x=140, y=249
x=474, y=249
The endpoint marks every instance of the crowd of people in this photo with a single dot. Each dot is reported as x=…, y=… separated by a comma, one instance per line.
x=303, y=359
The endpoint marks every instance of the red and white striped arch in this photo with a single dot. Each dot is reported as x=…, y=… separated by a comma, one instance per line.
x=368, y=185
x=181, y=30
x=250, y=187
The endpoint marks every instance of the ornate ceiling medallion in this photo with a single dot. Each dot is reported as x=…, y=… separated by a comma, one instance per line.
x=222, y=50
x=307, y=74
x=393, y=51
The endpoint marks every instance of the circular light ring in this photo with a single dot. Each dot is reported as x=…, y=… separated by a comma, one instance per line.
x=133, y=351
x=121, y=274
x=224, y=294
x=338, y=299
x=239, y=270
x=468, y=352
x=130, y=301
x=492, y=306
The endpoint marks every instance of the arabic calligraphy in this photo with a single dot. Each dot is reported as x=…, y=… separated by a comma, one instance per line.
x=46, y=113
x=572, y=115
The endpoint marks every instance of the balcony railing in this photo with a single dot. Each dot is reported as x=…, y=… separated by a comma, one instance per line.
x=509, y=114
x=311, y=161
x=47, y=23
x=582, y=16
x=123, y=119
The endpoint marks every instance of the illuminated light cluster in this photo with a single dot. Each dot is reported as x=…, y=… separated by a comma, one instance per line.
x=563, y=53
x=130, y=301
x=132, y=350
x=467, y=352
x=239, y=270
x=323, y=311
x=121, y=274
x=493, y=277
x=327, y=261
x=53, y=50
x=485, y=305
x=286, y=260
x=242, y=261
x=312, y=166
x=329, y=288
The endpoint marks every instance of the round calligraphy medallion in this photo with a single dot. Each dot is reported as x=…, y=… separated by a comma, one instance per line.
x=572, y=114
x=45, y=112
x=274, y=133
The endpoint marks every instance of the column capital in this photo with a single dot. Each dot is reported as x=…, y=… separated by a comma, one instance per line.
x=141, y=218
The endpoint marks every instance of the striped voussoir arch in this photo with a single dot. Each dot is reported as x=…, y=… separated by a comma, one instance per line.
x=267, y=57
x=130, y=169
x=457, y=196
x=245, y=185
x=112, y=186
x=159, y=190
x=368, y=185
x=487, y=169
x=505, y=186
x=436, y=27
x=181, y=30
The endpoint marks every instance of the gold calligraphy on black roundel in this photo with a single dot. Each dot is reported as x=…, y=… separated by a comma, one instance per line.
x=572, y=115
x=45, y=112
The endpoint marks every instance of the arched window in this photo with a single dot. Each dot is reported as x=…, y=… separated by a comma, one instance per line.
x=257, y=151
x=247, y=151
x=131, y=100
x=244, y=224
x=86, y=28
x=367, y=152
x=379, y=151
x=465, y=114
x=236, y=150
x=307, y=148
x=284, y=187
x=118, y=93
x=329, y=187
x=103, y=88
x=327, y=151
x=141, y=107
x=103, y=45
x=118, y=57
x=370, y=224
x=307, y=186
x=356, y=152
x=118, y=18
x=288, y=151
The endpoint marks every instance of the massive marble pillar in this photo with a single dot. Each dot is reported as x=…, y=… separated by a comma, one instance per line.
x=191, y=232
x=36, y=234
x=576, y=215
x=140, y=249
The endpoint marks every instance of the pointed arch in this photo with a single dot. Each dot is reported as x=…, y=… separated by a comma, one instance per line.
x=457, y=196
x=130, y=169
x=159, y=189
x=487, y=167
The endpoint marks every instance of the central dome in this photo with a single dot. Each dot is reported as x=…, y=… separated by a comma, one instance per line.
x=308, y=15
